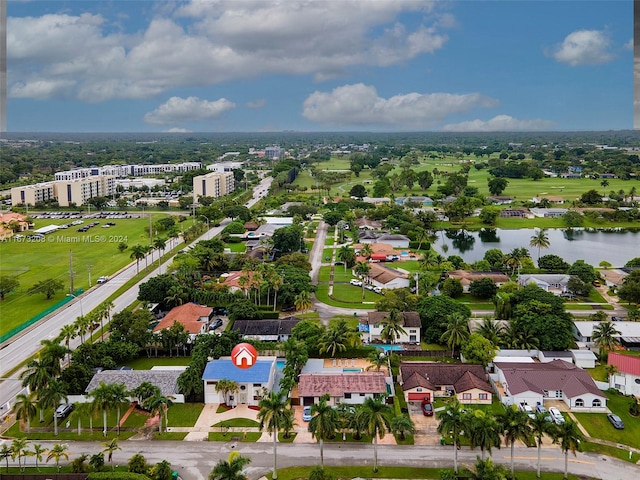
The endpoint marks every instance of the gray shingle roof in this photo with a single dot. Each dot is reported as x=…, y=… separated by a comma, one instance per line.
x=166, y=380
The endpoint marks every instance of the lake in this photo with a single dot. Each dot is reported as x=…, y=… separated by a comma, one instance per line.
x=616, y=246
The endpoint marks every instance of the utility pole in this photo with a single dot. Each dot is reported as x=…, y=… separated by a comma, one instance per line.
x=89, y=267
x=71, y=271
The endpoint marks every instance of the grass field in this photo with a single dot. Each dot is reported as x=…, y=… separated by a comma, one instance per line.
x=322, y=295
x=339, y=274
x=35, y=261
x=184, y=414
x=350, y=293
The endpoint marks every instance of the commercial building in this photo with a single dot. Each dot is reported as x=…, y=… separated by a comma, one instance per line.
x=216, y=184
x=122, y=171
x=32, y=194
x=77, y=192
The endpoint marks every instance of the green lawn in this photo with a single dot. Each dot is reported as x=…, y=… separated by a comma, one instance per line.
x=35, y=261
x=145, y=363
x=184, y=414
x=619, y=453
x=237, y=422
x=236, y=247
x=322, y=295
x=350, y=293
x=339, y=274
x=599, y=373
x=599, y=427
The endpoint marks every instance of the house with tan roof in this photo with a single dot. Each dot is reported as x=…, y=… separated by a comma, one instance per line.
x=372, y=326
x=534, y=383
x=466, y=278
x=387, y=277
x=351, y=388
x=193, y=317
x=420, y=380
x=613, y=278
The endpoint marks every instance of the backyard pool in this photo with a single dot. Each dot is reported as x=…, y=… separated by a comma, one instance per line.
x=386, y=348
x=280, y=364
x=351, y=370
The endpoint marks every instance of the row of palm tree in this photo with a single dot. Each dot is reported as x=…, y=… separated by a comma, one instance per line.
x=259, y=279
x=484, y=431
x=20, y=448
x=138, y=252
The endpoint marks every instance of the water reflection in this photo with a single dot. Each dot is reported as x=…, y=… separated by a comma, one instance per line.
x=489, y=235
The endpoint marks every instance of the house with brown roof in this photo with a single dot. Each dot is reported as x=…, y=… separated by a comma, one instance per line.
x=626, y=379
x=429, y=380
x=372, y=326
x=193, y=317
x=277, y=330
x=387, y=277
x=466, y=278
x=11, y=223
x=534, y=383
x=350, y=388
x=613, y=278
x=234, y=280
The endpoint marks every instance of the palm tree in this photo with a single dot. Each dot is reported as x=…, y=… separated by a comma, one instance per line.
x=457, y=331
x=18, y=449
x=302, y=301
x=81, y=409
x=82, y=324
x=67, y=333
x=366, y=250
x=491, y=331
x=102, y=396
x=25, y=408
x=58, y=451
x=51, y=355
x=230, y=469
x=226, y=387
x=332, y=341
x=540, y=240
x=392, y=326
x=104, y=313
x=482, y=430
x=402, y=426
x=160, y=244
x=540, y=425
x=110, y=447
x=374, y=417
x=604, y=184
x=50, y=397
x=35, y=377
x=5, y=454
x=346, y=255
x=362, y=269
x=377, y=360
x=272, y=416
x=486, y=470
x=604, y=337
x=137, y=253
x=324, y=423
x=37, y=453
x=452, y=421
x=515, y=426
x=119, y=395
x=276, y=283
x=160, y=404
x=430, y=259
x=568, y=435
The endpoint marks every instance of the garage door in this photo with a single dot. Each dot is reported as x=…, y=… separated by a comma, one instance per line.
x=418, y=397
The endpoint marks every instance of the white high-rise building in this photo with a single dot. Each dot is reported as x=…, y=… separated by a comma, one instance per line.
x=216, y=184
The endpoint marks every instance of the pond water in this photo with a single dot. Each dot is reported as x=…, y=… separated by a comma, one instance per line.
x=616, y=246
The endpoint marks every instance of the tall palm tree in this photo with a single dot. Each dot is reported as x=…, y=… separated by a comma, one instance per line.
x=362, y=269
x=35, y=377
x=18, y=450
x=137, y=253
x=452, y=422
x=604, y=337
x=333, y=341
x=52, y=354
x=25, y=408
x=515, y=426
x=456, y=331
x=302, y=301
x=604, y=184
x=37, y=452
x=82, y=409
x=374, y=416
x=83, y=323
x=366, y=250
x=392, y=326
x=102, y=400
x=346, y=254
x=231, y=469
x=377, y=360
x=540, y=425
x=272, y=415
x=276, y=283
x=402, y=426
x=119, y=395
x=568, y=436
x=324, y=423
x=104, y=313
x=58, y=451
x=540, y=240
x=491, y=331
x=160, y=244
x=67, y=333
x=109, y=448
x=5, y=454
x=50, y=397
x=482, y=430
x=160, y=404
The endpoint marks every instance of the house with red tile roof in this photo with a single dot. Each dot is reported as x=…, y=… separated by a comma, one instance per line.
x=627, y=377
x=10, y=223
x=234, y=281
x=429, y=380
x=193, y=317
x=350, y=388
x=534, y=383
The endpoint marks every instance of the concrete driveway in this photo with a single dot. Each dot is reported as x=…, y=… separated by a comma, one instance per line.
x=426, y=427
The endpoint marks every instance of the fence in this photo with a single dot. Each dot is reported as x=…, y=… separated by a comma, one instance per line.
x=40, y=316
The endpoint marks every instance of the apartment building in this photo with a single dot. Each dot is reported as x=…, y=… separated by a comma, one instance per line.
x=32, y=194
x=216, y=184
x=65, y=192
x=121, y=171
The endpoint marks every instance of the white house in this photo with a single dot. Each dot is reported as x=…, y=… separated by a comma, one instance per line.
x=372, y=326
x=629, y=333
x=387, y=277
x=253, y=383
x=627, y=378
x=533, y=383
x=554, y=283
x=351, y=388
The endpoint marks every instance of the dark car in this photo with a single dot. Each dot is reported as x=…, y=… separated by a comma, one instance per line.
x=216, y=324
x=616, y=421
x=427, y=408
x=63, y=410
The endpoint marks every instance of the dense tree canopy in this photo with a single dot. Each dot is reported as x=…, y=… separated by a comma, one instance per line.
x=433, y=311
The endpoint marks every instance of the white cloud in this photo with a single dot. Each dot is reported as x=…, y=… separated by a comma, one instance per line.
x=584, y=47
x=360, y=105
x=260, y=103
x=42, y=89
x=177, y=130
x=500, y=123
x=190, y=109
x=629, y=44
x=207, y=43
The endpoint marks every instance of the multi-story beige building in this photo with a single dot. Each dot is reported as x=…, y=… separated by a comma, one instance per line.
x=32, y=194
x=214, y=184
x=65, y=192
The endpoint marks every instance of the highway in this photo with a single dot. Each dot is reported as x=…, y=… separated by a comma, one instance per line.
x=25, y=345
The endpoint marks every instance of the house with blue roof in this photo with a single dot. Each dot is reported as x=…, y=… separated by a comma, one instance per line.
x=253, y=383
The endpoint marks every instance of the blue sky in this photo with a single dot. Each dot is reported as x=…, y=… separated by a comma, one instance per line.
x=325, y=65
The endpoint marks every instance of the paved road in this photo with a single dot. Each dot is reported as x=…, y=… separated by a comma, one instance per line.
x=23, y=346
x=194, y=460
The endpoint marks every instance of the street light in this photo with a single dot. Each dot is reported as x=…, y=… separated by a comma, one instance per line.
x=74, y=296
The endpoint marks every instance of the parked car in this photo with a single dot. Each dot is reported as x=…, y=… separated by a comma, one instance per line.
x=216, y=324
x=526, y=408
x=306, y=414
x=616, y=421
x=556, y=415
x=427, y=408
x=355, y=282
x=617, y=319
x=540, y=409
x=63, y=410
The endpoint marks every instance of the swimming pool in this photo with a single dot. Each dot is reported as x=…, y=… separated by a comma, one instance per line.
x=351, y=370
x=386, y=348
x=280, y=364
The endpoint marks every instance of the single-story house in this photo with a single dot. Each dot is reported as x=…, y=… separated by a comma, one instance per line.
x=533, y=383
x=253, y=383
x=165, y=379
x=234, y=280
x=627, y=377
x=466, y=277
x=387, y=277
x=629, y=332
x=548, y=212
x=613, y=278
x=422, y=380
x=351, y=388
x=371, y=327
x=367, y=236
x=376, y=200
x=551, y=282
x=500, y=200
x=365, y=223
x=516, y=213
x=422, y=200
x=555, y=199
x=395, y=240
x=280, y=221
x=193, y=317
x=277, y=330
x=11, y=223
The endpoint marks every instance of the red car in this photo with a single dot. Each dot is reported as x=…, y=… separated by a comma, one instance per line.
x=427, y=408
